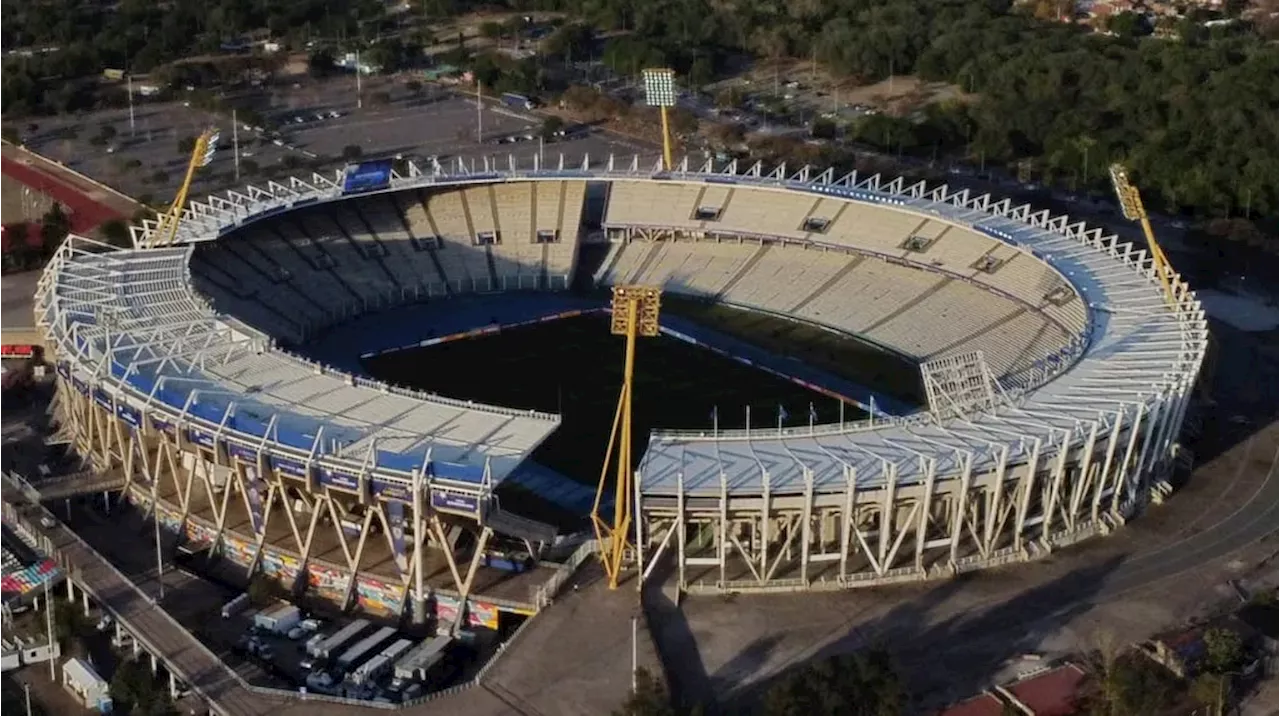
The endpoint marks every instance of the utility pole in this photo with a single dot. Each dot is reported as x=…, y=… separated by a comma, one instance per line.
x=635, y=654
x=235, y=141
x=359, y=96
x=155, y=517
x=129, y=88
x=48, y=621
x=479, y=112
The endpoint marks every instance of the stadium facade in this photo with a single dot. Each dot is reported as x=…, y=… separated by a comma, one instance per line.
x=1058, y=374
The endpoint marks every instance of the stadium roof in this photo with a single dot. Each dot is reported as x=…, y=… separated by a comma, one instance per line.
x=168, y=348
x=1136, y=348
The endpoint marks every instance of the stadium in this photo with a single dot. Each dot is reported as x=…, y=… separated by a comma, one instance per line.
x=1055, y=371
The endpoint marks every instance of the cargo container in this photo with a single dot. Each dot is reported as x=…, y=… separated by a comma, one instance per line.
x=339, y=639
x=364, y=648
x=235, y=606
x=280, y=620
x=416, y=665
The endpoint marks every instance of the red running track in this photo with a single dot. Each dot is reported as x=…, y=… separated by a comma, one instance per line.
x=85, y=213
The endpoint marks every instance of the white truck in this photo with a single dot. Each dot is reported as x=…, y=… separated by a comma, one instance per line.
x=279, y=620
x=380, y=665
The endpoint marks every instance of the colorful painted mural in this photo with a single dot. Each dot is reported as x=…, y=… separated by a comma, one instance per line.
x=328, y=582
x=200, y=533
x=27, y=579
x=478, y=613
x=279, y=565
x=378, y=597
x=239, y=551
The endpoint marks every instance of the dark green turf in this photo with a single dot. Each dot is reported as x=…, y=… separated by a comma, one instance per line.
x=574, y=366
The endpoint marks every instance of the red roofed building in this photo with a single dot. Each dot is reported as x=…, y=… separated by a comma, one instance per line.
x=984, y=705
x=1049, y=693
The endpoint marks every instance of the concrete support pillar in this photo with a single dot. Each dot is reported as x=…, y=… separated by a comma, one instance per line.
x=71, y=591
x=419, y=613
x=155, y=664
x=136, y=648
x=84, y=599
x=173, y=687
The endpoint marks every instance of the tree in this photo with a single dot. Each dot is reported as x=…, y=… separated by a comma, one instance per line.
x=321, y=62
x=862, y=684
x=54, y=227
x=134, y=690
x=1224, y=651
x=414, y=87
x=351, y=152
x=490, y=30
x=249, y=167
x=260, y=589
x=550, y=126
x=649, y=699
x=187, y=144
x=107, y=132
x=116, y=233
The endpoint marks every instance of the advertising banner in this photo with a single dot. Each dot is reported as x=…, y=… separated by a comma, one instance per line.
x=377, y=597
x=256, y=489
x=367, y=176
x=339, y=480
x=395, y=516
x=468, y=505
x=131, y=416
x=289, y=467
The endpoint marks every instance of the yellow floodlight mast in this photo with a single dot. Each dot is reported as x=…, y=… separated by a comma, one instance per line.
x=1132, y=208
x=635, y=315
x=166, y=230
x=660, y=92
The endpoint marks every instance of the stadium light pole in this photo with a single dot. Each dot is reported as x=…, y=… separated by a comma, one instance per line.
x=635, y=315
x=166, y=229
x=660, y=92
x=1132, y=208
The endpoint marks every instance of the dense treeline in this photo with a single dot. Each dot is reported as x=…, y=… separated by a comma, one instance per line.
x=1194, y=116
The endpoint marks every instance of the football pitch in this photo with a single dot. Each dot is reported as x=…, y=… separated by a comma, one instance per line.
x=573, y=367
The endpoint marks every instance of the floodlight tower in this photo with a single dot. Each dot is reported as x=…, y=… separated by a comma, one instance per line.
x=1132, y=208
x=660, y=92
x=167, y=226
x=635, y=315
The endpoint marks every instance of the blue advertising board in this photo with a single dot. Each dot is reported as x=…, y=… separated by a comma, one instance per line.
x=391, y=490
x=468, y=505
x=246, y=454
x=338, y=479
x=132, y=416
x=200, y=437
x=289, y=467
x=367, y=176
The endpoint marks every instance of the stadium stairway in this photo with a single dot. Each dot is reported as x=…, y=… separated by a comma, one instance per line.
x=744, y=270
x=826, y=285
x=908, y=305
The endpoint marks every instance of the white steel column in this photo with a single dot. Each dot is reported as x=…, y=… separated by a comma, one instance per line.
x=960, y=505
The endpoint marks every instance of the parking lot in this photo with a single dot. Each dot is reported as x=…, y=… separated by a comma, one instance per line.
x=314, y=122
